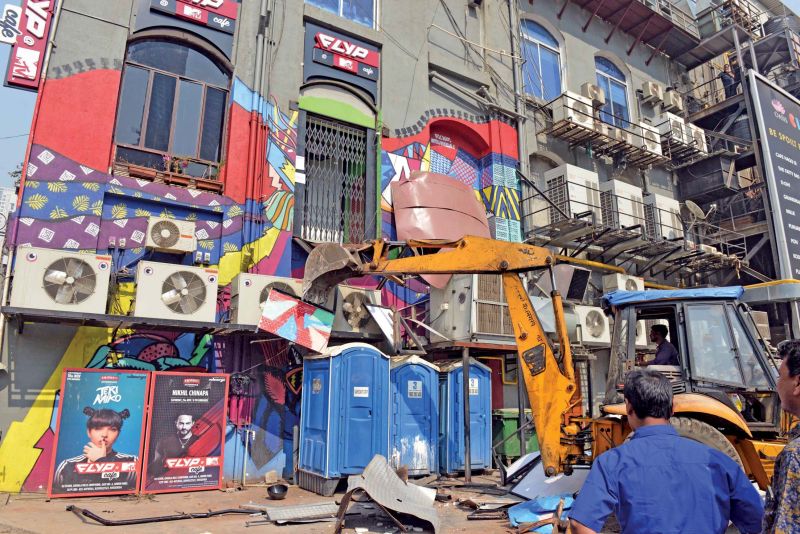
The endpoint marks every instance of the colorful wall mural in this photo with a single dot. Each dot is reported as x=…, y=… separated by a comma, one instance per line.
x=70, y=202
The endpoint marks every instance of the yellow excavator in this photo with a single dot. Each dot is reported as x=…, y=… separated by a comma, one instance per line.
x=724, y=386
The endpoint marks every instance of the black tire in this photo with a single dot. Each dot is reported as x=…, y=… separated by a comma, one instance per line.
x=706, y=434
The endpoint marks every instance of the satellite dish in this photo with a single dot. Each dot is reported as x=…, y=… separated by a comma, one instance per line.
x=695, y=211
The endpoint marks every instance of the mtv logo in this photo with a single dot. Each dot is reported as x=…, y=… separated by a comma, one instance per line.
x=25, y=63
x=192, y=12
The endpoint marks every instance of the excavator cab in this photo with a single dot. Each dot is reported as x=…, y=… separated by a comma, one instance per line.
x=725, y=382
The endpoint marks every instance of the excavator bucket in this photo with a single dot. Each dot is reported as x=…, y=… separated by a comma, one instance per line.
x=327, y=265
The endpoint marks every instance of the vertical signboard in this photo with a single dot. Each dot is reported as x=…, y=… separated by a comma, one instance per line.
x=99, y=431
x=29, y=42
x=777, y=115
x=185, y=432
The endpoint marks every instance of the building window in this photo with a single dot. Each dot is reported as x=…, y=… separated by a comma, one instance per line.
x=360, y=11
x=541, y=70
x=336, y=190
x=612, y=81
x=171, y=109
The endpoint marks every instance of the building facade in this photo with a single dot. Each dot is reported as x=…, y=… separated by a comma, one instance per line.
x=269, y=125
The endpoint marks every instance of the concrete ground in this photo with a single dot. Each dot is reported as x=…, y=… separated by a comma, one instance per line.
x=35, y=513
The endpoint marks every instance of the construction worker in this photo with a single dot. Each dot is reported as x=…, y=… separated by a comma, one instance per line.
x=659, y=482
x=782, y=509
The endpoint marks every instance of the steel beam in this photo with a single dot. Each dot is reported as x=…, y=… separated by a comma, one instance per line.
x=659, y=45
x=594, y=13
x=616, y=26
x=641, y=33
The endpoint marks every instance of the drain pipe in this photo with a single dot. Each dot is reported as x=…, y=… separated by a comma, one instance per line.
x=519, y=104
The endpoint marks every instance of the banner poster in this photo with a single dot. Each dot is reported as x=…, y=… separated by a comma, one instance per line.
x=99, y=433
x=185, y=432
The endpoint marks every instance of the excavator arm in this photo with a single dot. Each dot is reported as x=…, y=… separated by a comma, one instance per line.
x=549, y=375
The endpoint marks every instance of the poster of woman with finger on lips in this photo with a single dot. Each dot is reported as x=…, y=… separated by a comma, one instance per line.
x=99, y=433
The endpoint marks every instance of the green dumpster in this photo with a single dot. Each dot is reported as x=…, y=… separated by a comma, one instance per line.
x=505, y=423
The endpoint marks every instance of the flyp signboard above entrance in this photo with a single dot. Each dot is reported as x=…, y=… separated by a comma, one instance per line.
x=330, y=54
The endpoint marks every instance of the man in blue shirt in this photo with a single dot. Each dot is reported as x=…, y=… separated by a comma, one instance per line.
x=661, y=483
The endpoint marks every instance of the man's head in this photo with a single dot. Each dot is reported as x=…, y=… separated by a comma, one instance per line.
x=648, y=398
x=789, y=381
x=658, y=333
x=727, y=68
x=184, y=424
x=103, y=426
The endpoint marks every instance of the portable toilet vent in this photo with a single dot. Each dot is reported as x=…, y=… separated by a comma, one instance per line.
x=344, y=417
x=415, y=415
x=451, y=416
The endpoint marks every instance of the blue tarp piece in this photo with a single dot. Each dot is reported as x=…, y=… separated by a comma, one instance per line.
x=623, y=298
x=531, y=511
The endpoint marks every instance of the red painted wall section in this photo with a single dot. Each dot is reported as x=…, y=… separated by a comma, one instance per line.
x=498, y=136
x=235, y=174
x=76, y=116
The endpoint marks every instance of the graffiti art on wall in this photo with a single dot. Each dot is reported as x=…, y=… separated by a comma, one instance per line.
x=67, y=204
x=482, y=156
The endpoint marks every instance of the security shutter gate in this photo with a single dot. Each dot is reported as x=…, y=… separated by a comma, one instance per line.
x=334, y=207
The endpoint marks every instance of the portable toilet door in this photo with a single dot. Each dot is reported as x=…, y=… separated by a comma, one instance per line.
x=480, y=407
x=314, y=416
x=414, y=434
x=361, y=376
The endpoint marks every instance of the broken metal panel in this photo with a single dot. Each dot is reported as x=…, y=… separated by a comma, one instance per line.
x=383, y=485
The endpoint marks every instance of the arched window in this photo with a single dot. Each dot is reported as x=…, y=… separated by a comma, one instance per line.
x=171, y=108
x=612, y=81
x=541, y=71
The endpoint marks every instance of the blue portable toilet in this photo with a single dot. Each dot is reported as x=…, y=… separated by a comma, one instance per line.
x=414, y=436
x=451, y=416
x=344, y=414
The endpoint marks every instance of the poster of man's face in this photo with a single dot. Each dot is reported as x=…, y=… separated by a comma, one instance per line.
x=186, y=432
x=99, y=433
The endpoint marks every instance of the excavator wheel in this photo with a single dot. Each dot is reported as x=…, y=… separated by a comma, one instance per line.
x=706, y=434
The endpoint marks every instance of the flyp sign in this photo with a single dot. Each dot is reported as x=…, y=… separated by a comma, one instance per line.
x=346, y=48
x=30, y=45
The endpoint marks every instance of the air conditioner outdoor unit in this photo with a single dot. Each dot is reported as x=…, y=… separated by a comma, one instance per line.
x=621, y=134
x=594, y=328
x=573, y=189
x=650, y=139
x=672, y=127
x=170, y=291
x=622, y=282
x=672, y=101
x=653, y=93
x=52, y=279
x=170, y=235
x=697, y=137
x=664, y=220
x=351, y=313
x=605, y=129
x=249, y=293
x=594, y=93
x=574, y=108
x=622, y=204
x=471, y=307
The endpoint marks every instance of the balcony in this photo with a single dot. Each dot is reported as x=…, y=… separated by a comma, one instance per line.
x=659, y=24
x=573, y=118
x=614, y=221
x=722, y=28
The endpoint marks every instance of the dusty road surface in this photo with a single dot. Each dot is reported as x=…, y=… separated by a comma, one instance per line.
x=34, y=513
